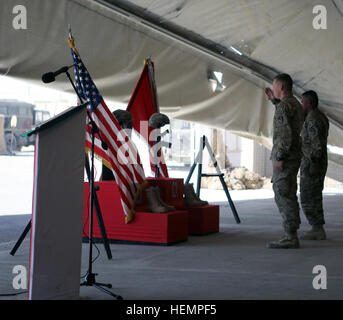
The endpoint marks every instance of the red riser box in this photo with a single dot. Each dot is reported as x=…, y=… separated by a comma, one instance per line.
x=149, y=228
x=202, y=220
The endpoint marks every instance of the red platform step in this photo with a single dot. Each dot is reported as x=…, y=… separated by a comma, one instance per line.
x=152, y=228
x=202, y=220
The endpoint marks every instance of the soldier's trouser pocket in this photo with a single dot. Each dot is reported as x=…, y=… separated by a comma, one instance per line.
x=282, y=187
x=311, y=198
x=285, y=191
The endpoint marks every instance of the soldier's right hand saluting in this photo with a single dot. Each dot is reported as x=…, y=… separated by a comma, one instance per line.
x=269, y=93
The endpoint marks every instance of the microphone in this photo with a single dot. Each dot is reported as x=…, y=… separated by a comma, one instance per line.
x=51, y=76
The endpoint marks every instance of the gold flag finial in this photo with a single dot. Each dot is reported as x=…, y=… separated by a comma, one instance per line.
x=71, y=40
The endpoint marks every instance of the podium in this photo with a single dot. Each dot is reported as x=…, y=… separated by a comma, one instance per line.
x=57, y=206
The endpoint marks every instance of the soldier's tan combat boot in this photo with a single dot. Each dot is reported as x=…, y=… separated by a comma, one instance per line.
x=289, y=241
x=316, y=233
x=191, y=199
x=153, y=203
x=160, y=200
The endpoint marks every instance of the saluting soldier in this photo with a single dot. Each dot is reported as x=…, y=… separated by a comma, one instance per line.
x=314, y=164
x=286, y=157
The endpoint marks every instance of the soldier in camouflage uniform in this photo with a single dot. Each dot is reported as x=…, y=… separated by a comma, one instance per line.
x=286, y=157
x=313, y=165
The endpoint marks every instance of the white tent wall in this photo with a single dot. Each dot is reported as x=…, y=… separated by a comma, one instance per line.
x=278, y=34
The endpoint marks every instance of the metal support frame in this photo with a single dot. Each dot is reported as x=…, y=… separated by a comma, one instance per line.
x=198, y=161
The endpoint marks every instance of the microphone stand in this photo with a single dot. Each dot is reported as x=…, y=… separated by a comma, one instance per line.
x=90, y=278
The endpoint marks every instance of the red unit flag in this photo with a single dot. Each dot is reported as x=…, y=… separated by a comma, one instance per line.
x=142, y=105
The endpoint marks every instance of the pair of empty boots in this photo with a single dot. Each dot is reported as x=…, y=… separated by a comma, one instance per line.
x=191, y=199
x=155, y=202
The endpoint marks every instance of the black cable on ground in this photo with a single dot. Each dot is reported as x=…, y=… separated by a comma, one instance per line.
x=85, y=275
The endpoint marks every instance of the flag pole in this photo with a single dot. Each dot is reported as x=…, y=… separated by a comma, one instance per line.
x=151, y=77
x=96, y=201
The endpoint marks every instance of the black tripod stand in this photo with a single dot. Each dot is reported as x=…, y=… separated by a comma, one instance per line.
x=90, y=277
x=99, y=216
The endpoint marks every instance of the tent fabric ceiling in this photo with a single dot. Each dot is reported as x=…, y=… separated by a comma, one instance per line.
x=278, y=34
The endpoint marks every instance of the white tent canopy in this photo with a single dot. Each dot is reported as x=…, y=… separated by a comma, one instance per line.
x=187, y=39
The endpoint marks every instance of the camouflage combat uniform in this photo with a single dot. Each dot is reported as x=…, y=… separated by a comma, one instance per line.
x=314, y=148
x=287, y=124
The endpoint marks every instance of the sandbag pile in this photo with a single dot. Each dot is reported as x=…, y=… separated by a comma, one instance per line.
x=237, y=179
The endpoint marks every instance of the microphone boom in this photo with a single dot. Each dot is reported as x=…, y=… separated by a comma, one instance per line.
x=51, y=76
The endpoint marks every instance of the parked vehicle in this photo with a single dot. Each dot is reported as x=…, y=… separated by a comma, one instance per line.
x=20, y=117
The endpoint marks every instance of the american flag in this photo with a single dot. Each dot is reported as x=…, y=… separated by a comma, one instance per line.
x=121, y=156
